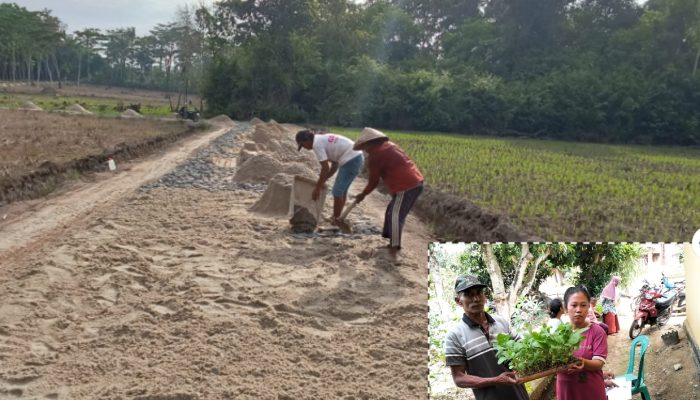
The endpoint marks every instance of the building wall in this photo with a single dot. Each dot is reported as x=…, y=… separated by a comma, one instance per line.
x=692, y=281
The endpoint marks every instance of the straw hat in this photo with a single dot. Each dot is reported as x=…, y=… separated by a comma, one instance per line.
x=369, y=134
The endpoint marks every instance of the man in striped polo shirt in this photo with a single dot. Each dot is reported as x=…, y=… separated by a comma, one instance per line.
x=468, y=347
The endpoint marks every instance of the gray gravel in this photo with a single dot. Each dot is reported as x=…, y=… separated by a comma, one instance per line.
x=199, y=172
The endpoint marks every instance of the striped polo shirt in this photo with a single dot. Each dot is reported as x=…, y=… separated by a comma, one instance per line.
x=466, y=344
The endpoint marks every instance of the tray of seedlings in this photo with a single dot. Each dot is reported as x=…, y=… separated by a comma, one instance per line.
x=540, y=354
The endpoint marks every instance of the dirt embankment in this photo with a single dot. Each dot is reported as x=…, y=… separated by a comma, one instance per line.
x=70, y=145
x=453, y=218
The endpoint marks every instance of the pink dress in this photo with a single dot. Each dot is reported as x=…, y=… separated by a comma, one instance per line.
x=586, y=385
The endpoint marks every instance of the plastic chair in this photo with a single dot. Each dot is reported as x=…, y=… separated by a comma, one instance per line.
x=638, y=385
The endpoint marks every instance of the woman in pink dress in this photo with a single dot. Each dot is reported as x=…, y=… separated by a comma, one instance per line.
x=584, y=382
x=610, y=296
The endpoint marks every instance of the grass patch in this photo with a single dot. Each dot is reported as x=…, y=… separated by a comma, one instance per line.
x=563, y=190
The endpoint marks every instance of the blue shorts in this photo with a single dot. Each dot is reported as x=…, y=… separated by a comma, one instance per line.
x=346, y=174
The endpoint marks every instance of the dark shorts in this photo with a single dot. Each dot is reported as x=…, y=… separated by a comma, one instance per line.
x=396, y=213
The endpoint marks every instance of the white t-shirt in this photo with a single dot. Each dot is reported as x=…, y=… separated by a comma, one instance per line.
x=553, y=323
x=334, y=148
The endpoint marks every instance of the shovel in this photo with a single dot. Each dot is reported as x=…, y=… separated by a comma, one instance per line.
x=341, y=223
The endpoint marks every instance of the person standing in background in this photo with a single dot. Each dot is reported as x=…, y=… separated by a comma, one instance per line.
x=610, y=295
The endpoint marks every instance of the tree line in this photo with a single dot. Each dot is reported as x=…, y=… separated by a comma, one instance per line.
x=593, y=70
x=36, y=47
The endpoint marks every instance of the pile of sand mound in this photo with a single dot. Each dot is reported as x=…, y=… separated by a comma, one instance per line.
x=256, y=121
x=262, y=167
x=77, y=108
x=222, y=119
x=245, y=155
x=50, y=90
x=266, y=133
x=129, y=113
x=275, y=139
x=28, y=105
x=275, y=200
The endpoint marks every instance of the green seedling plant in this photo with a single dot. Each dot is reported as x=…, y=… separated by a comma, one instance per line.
x=539, y=351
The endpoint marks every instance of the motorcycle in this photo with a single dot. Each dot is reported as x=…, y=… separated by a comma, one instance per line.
x=634, y=305
x=677, y=287
x=680, y=288
x=184, y=113
x=654, y=309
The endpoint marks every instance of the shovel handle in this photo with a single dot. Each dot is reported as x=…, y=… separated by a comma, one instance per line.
x=347, y=210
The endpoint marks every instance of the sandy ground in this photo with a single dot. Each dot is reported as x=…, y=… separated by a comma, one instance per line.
x=663, y=381
x=113, y=292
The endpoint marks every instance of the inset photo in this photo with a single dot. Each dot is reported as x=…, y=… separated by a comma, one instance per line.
x=564, y=321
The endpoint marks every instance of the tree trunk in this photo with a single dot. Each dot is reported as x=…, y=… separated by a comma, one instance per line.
x=520, y=271
x=499, y=293
x=29, y=69
x=532, y=273
x=48, y=69
x=58, y=70
x=435, y=269
x=697, y=57
x=80, y=53
x=38, y=71
x=13, y=65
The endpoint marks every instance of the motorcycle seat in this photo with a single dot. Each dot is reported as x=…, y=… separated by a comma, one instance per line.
x=664, y=302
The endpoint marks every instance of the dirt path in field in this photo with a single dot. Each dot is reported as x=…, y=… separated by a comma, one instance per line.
x=143, y=286
x=23, y=229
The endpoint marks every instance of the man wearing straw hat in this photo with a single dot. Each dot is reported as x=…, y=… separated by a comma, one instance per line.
x=387, y=161
x=468, y=347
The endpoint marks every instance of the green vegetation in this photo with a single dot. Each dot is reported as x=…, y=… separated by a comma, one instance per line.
x=559, y=190
x=99, y=106
x=539, y=351
x=613, y=71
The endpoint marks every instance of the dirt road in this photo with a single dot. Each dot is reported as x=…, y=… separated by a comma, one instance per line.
x=147, y=287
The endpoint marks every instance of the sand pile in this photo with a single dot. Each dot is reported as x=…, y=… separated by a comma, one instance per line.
x=29, y=105
x=256, y=121
x=274, y=138
x=245, y=155
x=77, y=108
x=261, y=167
x=51, y=91
x=130, y=114
x=275, y=200
x=266, y=134
x=222, y=119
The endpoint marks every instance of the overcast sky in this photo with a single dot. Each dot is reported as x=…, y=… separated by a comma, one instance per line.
x=80, y=14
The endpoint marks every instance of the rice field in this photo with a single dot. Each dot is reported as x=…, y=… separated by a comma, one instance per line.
x=563, y=190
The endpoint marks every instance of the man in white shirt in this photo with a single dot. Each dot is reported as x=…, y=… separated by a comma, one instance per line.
x=335, y=153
